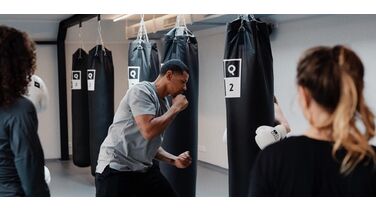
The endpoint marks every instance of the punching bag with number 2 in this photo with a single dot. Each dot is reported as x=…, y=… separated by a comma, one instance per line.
x=248, y=77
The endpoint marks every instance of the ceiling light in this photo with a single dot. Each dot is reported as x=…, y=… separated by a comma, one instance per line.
x=123, y=17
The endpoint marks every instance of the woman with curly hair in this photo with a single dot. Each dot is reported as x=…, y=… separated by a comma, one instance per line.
x=333, y=157
x=21, y=154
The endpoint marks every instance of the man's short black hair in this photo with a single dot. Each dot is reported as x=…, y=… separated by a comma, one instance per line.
x=175, y=65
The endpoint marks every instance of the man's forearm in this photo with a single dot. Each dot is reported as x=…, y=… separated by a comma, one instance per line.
x=158, y=124
x=164, y=156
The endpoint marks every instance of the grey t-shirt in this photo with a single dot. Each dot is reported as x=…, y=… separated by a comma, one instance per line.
x=125, y=149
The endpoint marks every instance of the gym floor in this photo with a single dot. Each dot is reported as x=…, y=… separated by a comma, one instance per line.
x=68, y=180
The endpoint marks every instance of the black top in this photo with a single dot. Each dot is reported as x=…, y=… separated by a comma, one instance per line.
x=302, y=166
x=21, y=154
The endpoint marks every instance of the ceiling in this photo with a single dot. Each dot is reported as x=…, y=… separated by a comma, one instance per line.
x=38, y=26
x=45, y=26
x=34, y=17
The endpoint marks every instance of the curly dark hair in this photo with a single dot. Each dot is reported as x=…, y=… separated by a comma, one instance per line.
x=17, y=64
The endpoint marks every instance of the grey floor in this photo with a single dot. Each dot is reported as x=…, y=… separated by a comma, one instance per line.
x=67, y=180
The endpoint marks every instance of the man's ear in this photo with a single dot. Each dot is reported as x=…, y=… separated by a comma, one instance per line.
x=169, y=74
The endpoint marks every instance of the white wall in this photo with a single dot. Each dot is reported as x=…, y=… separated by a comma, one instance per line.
x=212, y=110
x=36, y=29
x=49, y=124
x=114, y=39
x=289, y=41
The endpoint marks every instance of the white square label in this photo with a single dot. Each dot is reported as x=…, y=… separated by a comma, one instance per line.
x=91, y=79
x=76, y=80
x=232, y=86
x=133, y=75
x=232, y=69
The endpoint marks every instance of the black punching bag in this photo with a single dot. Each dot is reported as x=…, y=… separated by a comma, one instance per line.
x=80, y=113
x=155, y=65
x=100, y=76
x=248, y=76
x=143, y=61
x=181, y=135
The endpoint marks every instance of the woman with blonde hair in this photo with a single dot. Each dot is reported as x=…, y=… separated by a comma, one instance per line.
x=333, y=157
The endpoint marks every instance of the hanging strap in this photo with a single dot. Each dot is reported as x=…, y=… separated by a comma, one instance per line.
x=181, y=24
x=99, y=38
x=80, y=39
x=251, y=17
x=180, y=21
x=142, y=34
x=243, y=17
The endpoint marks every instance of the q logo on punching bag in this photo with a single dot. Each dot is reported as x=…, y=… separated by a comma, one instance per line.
x=76, y=80
x=232, y=73
x=91, y=79
x=133, y=75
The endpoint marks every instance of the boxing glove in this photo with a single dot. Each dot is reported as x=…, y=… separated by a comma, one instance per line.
x=266, y=135
x=37, y=93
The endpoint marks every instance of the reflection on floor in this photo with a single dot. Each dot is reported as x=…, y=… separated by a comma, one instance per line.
x=69, y=180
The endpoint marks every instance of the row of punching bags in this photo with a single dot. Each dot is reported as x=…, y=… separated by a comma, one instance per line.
x=248, y=77
x=249, y=92
x=90, y=129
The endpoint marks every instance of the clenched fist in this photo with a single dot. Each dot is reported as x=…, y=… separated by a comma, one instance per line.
x=183, y=160
x=180, y=102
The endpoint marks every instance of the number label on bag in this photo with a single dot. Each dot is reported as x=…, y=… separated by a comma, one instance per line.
x=232, y=72
x=133, y=75
x=91, y=79
x=76, y=80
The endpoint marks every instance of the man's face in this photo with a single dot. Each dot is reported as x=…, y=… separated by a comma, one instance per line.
x=178, y=83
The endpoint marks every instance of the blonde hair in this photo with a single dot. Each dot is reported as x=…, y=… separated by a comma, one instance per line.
x=334, y=78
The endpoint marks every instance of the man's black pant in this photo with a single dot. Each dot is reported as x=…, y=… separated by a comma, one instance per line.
x=114, y=183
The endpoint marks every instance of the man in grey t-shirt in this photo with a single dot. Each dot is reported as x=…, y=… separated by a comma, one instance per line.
x=125, y=162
